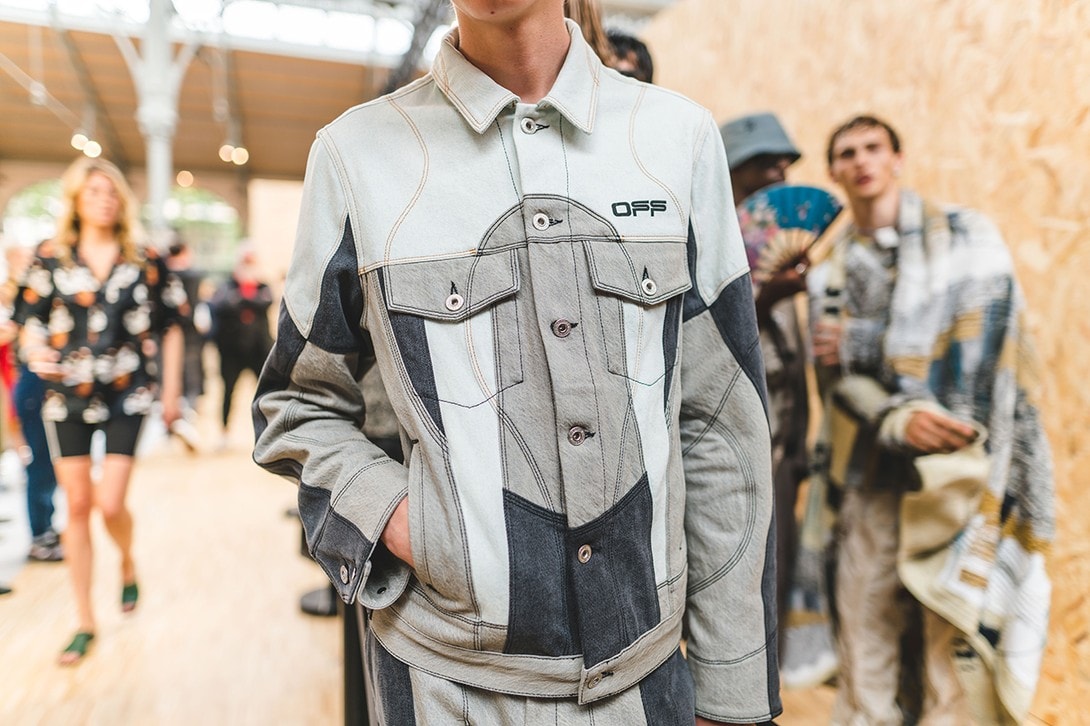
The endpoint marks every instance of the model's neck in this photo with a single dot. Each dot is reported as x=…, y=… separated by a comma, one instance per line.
x=95, y=236
x=881, y=211
x=524, y=56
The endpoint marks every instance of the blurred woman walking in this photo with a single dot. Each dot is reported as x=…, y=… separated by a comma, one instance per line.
x=94, y=317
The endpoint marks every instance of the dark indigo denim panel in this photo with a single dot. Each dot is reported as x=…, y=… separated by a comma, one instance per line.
x=667, y=693
x=313, y=508
x=768, y=596
x=694, y=304
x=736, y=319
x=670, y=330
x=391, y=680
x=336, y=325
x=332, y=540
x=412, y=345
x=615, y=589
x=276, y=375
x=541, y=620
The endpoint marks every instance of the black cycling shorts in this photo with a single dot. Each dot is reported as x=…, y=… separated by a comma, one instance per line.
x=73, y=438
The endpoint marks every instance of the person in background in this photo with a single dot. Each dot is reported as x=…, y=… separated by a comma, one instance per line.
x=581, y=410
x=587, y=14
x=94, y=317
x=631, y=56
x=179, y=261
x=937, y=448
x=41, y=481
x=759, y=152
x=240, y=325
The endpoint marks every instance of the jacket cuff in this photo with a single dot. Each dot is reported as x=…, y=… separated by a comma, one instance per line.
x=359, y=565
x=385, y=579
x=734, y=692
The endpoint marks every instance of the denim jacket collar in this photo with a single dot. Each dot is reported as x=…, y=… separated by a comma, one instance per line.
x=480, y=99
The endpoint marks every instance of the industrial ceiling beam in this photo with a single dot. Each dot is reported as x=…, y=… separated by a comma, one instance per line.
x=102, y=119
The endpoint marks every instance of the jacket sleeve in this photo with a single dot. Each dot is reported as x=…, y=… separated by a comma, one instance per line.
x=309, y=407
x=731, y=607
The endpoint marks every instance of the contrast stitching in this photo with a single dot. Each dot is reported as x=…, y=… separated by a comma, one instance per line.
x=636, y=156
x=420, y=187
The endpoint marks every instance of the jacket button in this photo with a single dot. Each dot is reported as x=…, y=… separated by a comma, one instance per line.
x=594, y=681
x=344, y=574
x=529, y=126
x=541, y=221
x=455, y=302
x=584, y=553
x=577, y=435
x=649, y=286
x=561, y=328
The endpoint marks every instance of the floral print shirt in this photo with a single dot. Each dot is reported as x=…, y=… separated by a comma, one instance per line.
x=106, y=332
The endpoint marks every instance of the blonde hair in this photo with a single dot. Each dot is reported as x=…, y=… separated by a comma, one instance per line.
x=127, y=230
x=587, y=14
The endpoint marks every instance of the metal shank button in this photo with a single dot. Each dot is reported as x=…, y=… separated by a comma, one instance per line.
x=455, y=302
x=577, y=435
x=344, y=574
x=529, y=126
x=649, y=286
x=594, y=681
x=584, y=553
x=561, y=328
x=541, y=221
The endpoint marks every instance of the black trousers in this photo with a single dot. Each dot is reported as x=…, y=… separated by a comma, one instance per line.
x=232, y=365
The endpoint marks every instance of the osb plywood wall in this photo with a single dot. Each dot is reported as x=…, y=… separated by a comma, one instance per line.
x=992, y=99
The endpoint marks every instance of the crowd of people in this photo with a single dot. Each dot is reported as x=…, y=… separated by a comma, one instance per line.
x=605, y=415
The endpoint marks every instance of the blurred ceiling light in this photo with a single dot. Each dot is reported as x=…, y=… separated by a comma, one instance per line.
x=185, y=178
x=92, y=149
x=240, y=155
x=79, y=140
x=226, y=151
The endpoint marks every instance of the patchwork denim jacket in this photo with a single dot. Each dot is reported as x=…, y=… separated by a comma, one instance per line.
x=557, y=298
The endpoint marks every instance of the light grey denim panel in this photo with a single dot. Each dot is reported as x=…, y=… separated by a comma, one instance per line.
x=381, y=420
x=729, y=491
x=647, y=273
x=728, y=511
x=437, y=536
x=643, y=276
x=451, y=289
x=732, y=692
x=526, y=413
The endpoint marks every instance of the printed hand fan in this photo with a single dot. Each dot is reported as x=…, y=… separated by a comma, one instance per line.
x=781, y=222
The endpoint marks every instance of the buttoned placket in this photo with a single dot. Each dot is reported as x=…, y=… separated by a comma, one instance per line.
x=557, y=295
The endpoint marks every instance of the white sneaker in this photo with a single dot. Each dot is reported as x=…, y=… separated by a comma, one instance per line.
x=187, y=432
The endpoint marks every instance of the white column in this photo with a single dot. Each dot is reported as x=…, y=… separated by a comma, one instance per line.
x=158, y=78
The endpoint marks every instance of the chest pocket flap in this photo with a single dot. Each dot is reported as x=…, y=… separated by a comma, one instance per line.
x=646, y=273
x=451, y=289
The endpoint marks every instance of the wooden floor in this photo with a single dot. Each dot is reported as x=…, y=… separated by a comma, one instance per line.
x=218, y=637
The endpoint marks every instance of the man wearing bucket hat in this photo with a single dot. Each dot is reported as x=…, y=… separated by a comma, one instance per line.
x=758, y=153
